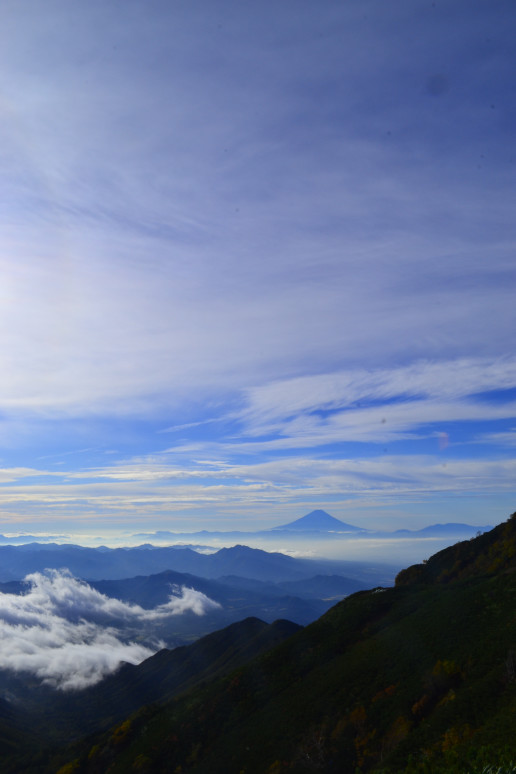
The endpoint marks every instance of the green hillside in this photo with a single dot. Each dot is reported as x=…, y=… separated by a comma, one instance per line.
x=37, y=720
x=416, y=678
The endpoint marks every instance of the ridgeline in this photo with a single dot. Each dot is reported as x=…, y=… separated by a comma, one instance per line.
x=420, y=677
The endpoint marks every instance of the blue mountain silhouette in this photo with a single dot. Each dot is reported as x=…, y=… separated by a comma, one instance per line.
x=317, y=521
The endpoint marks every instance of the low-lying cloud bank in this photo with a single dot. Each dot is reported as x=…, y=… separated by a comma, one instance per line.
x=71, y=636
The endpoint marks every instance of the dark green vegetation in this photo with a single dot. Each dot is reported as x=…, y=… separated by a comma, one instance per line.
x=30, y=737
x=416, y=678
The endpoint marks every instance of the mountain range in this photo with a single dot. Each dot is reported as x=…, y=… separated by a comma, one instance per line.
x=319, y=523
x=226, y=586
x=113, y=563
x=415, y=678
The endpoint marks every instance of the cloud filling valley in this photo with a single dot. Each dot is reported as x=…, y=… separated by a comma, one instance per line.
x=70, y=636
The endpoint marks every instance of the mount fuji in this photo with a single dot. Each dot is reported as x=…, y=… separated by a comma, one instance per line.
x=317, y=521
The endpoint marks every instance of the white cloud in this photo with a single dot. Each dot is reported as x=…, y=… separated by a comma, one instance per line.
x=70, y=635
x=380, y=424
x=178, y=226
x=259, y=215
x=444, y=380
x=246, y=486
x=10, y=475
x=506, y=438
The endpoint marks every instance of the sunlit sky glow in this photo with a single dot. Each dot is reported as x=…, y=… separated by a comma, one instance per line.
x=256, y=259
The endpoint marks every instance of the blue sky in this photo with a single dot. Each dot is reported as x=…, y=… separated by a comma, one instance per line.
x=256, y=258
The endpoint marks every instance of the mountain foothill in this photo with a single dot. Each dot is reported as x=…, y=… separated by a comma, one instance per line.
x=416, y=674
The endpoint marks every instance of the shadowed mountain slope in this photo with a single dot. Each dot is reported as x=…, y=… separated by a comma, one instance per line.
x=491, y=552
x=55, y=717
x=416, y=678
x=237, y=598
x=237, y=602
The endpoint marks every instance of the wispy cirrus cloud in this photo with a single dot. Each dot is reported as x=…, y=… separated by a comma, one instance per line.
x=263, y=231
x=405, y=420
x=11, y=475
x=168, y=241
x=506, y=438
x=304, y=435
x=424, y=379
x=277, y=480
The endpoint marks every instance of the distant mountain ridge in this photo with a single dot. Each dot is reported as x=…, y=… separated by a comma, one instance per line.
x=317, y=523
x=321, y=523
x=115, y=563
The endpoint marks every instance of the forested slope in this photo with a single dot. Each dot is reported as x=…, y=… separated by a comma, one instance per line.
x=416, y=678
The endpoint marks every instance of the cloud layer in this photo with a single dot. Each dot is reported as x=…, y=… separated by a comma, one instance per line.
x=282, y=230
x=179, y=187
x=70, y=636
